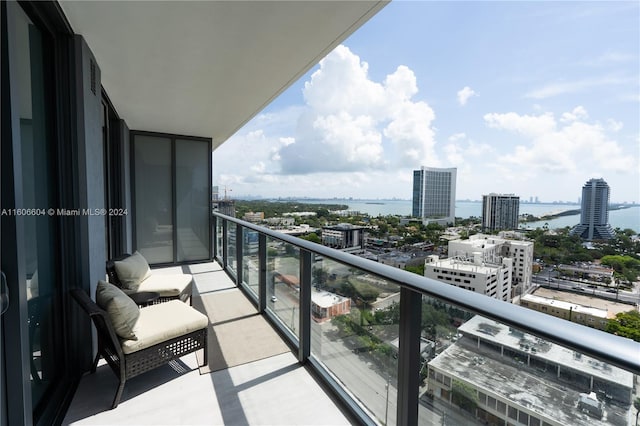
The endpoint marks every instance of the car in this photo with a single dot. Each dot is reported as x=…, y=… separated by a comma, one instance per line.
x=577, y=287
x=611, y=290
x=274, y=299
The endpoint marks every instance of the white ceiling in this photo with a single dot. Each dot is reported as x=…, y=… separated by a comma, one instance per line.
x=204, y=68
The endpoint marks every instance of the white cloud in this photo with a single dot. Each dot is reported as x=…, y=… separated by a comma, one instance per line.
x=573, y=146
x=464, y=94
x=528, y=125
x=259, y=167
x=576, y=86
x=460, y=148
x=578, y=113
x=457, y=137
x=614, y=125
x=354, y=123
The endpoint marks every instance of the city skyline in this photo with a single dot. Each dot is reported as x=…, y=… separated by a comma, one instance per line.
x=539, y=103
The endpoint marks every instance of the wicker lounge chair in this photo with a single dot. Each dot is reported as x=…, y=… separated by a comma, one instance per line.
x=156, y=344
x=169, y=286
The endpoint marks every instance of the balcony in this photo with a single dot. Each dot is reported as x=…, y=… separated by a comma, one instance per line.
x=372, y=344
x=178, y=394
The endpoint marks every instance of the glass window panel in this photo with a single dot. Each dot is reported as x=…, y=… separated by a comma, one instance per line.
x=523, y=418
x=219, y=241
x=491, y=402
x=354, y=333
x=283, y=283
x=232, y=257
x=250, y=261
x=193, y=200
x=153, y=198
x=38, y=176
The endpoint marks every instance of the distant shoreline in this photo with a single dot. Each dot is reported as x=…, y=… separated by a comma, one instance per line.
x=572, y=212
x=612, y=206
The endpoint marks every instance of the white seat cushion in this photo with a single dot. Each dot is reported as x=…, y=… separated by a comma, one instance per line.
x=168, y=285
x=164, y=321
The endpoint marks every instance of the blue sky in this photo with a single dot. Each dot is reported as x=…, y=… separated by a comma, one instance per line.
x=530, y=98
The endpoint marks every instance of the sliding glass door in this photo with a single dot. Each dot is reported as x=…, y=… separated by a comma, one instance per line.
x=172, y=197
x=34, y=341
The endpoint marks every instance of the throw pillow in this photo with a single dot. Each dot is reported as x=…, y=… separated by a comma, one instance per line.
x=122, y=310
x=132, y=270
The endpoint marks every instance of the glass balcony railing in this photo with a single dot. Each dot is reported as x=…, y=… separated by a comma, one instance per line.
x=283, y=284
x=251, y=261
x=398, y=348
x=354, y=333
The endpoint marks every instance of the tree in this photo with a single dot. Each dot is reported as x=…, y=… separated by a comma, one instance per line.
x=464, y=396
x=313, y=237
x=418, y=269
x=625, y=324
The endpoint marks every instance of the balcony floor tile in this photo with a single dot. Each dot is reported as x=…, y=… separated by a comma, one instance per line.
x=271, y=391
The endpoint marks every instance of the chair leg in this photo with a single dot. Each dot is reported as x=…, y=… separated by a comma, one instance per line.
x=206, y=352
x=116, y=400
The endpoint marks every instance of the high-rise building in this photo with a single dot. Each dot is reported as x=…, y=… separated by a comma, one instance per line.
x=434, y=194
x=594, y=213
x=500, y=211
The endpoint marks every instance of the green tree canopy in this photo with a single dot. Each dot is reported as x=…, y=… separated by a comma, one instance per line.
x=626, y=324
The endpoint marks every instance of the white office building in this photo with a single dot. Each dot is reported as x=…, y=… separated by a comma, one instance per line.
x=475, y=274
x=434, y=195
x=493, y=249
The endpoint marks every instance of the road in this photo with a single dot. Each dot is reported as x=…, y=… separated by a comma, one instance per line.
x=552, y=281
x=356, y=371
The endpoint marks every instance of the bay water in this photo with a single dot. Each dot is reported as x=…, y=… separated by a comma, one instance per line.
x=623, y=218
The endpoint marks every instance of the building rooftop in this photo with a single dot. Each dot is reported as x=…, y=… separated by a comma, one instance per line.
x=611, y=306
x=463, y=265
x=501, y=334
x=578, y=309
x=325, y=299
x=549, y=399
x=343, y=227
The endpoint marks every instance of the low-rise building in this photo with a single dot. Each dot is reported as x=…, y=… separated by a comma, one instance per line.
x=280, y=221
x=517, y=378
x=583, y=309
x=344, y=236
x=474, y=274
x=588, y=271
x=402, y=259
x=493, y=249
x=585, y=315
x=326, y=305
x=254, y=216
